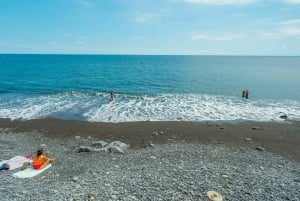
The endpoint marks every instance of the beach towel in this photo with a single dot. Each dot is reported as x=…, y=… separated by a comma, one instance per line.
x=30, y=172
x=16, y=162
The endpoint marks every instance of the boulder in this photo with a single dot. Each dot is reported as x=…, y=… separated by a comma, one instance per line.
x=115, y=149
x=119, y=144
x=99, y=143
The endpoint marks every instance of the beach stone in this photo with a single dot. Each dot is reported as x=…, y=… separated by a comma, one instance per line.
x=260, y=148
x=119, y=144
x=261, y=168
x=256, y=128
x=91, y=197
x=155, y=133
x=77, y=137
x=115, y=149
x=248, y=139
x=75, y=179
x=225, y=176
x=43, y=145
x=152, y=157
x=297, y=180
x=151, y=145
x=99, y=143
x=84, y=149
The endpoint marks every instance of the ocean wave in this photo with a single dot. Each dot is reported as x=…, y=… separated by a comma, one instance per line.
x=96, y=107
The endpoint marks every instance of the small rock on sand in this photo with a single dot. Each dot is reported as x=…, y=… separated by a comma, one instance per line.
x=260, y=148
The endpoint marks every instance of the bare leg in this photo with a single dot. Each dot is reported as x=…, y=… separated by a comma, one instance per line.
x=44, y=164
x=49, y=160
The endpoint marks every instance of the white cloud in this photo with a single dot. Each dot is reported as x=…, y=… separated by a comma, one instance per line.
x=270, y=35
x=293, y=31
x=143, y=18
x=290, y=27
x=282, y=32
x=221, y=2
x=292, y=1
x=290, y=22
x=221, y=37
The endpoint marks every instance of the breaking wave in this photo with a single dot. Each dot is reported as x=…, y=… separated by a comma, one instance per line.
x=96, y=107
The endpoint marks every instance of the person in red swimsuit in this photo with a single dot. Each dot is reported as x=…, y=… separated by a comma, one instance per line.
x=40, y=160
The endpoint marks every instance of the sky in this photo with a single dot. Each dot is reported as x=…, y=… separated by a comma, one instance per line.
x=180, y=27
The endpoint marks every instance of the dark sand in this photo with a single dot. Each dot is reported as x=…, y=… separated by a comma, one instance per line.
x=279, y=138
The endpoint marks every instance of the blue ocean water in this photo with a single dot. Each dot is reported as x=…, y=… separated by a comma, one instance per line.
x=155, y=88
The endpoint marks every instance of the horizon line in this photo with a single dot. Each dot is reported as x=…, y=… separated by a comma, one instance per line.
x=121, y=54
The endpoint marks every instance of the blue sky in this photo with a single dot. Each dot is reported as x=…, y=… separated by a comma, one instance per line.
x=204, y=27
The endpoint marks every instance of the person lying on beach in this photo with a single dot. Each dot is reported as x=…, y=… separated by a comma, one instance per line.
x=40, y=160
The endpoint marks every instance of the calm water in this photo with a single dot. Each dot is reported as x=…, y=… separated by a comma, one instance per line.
x=191, y=88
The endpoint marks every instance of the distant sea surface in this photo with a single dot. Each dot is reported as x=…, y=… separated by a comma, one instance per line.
x=149, y=88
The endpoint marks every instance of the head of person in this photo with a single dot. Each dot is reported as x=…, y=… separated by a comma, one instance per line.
x=39, y=151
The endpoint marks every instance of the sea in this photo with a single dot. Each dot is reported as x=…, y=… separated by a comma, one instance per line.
x=149, y=87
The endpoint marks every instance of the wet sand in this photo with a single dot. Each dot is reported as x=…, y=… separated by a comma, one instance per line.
x=279, y=138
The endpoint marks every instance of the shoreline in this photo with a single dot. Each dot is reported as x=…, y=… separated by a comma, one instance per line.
x=278, y=138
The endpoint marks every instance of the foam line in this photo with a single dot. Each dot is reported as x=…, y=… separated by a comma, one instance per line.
x=162, y=107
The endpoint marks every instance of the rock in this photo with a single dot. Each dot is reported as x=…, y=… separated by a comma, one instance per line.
x=24, y=192
x=91, y=197
x=43, y=145
x=77, y=137
x=99, y=143
x=261, y=168
x=115, y=149
x=152, y=157
x=225, y=176
x=260, y=148
x=248, y=139
x=75, y=179
x=84, y=149
x=256, y=128
x=161, y=132
x=151, y=145
x=119, y=144
x=297, y=180
x=155, y=134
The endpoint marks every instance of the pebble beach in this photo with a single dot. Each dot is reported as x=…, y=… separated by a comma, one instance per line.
x=174, y=170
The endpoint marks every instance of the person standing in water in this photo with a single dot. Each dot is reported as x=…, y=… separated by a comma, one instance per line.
x=112, y=96
x=245, y=94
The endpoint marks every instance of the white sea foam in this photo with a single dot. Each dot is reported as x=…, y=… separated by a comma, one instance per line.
x=163, y=107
